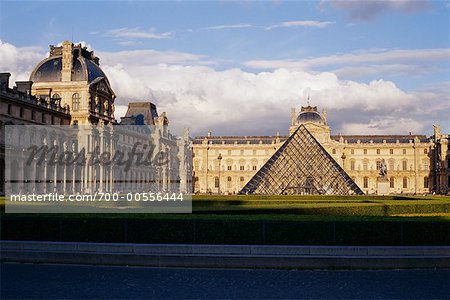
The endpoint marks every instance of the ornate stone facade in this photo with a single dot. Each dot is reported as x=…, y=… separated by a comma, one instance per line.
x=69, y=88
x=415, y=163
x=72, y=75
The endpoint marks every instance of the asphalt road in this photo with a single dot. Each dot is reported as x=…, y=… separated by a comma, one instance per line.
x=75, y=281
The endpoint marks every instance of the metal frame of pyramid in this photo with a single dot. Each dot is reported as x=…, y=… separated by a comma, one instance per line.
x=301, y=166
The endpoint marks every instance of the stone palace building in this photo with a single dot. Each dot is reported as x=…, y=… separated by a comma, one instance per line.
x=69, y=88
x=416, y=164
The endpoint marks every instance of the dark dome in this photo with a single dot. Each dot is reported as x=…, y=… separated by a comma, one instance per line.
x=83, y=69
x=309, y=115
x=49, y=70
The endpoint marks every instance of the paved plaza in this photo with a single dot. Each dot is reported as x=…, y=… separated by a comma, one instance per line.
x=76, y=281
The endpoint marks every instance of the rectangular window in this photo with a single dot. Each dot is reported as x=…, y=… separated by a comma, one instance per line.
x=391, y=151
x=378, y=151
x=352, y=165
x=229, y=182
x=425, y=182
x=352, y=151
x=365, y=151
x=365, y=166
x=229, y=168
x=32, y=115
x=216, y=182
x=392, y=182
x=404, y=165
x=366, y=182
x=9, y=109
x=405, y=182
x=241, y=168
x=254, y=168
x=391, y=165
x=378, y=164
x=404, y=151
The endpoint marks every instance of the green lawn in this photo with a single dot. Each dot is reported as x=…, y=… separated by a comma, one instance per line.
x=291, y=220
x=257, y=207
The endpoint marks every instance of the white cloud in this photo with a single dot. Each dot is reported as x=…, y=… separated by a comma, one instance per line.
x=366, y=61
x=299, y=23
x=387, y=125
x=369, y=10
x=137, y=33
x=391, y=69
x=151, y=57
x=237, y=102
x=307, y=23
x=19, y=61
x=231, y=26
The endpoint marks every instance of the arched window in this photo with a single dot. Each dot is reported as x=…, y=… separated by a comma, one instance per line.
x=228, y=182
x=75, y=102
x=405, y=182
x=392, y=182
x=425, y=182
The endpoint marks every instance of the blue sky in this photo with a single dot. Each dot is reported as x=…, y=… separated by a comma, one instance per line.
x=400, y=43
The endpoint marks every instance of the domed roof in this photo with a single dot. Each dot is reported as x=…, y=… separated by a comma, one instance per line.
x=309, y=114
x=84, y=68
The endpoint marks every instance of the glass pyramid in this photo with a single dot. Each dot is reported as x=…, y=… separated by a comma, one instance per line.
x=301, y=166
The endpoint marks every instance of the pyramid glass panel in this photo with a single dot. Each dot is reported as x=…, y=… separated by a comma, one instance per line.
x=301, y=166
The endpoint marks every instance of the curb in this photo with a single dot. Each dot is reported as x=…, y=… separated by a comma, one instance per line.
x=227, y=256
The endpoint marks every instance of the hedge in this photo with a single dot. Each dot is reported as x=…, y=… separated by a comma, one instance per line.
x=227, y=231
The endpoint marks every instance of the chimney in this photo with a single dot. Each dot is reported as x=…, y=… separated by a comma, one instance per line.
x=24, y=86
x=67, y=61
x=4, y=80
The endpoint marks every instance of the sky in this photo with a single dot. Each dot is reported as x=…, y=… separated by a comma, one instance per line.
x=237, y=68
